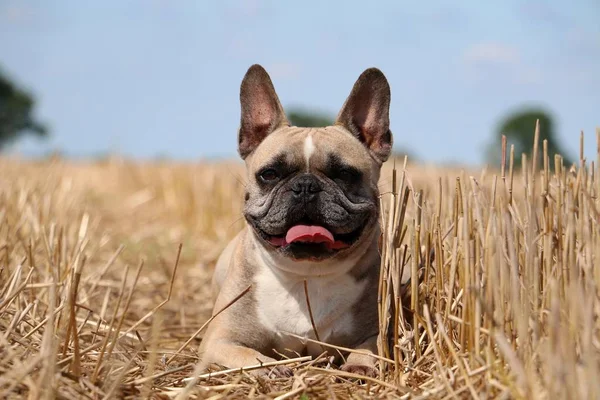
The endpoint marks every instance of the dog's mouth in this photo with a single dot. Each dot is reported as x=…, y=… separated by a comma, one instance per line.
x=310, y=241
x=310, y=234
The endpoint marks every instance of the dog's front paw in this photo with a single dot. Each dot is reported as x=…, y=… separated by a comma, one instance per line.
x=280, y=371
x=360, y=369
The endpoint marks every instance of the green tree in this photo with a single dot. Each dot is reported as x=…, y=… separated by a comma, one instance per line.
x=16, y=108
x=519, y=129
x=308, y=118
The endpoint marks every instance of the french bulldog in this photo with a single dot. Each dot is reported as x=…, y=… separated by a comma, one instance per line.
x=313, y=214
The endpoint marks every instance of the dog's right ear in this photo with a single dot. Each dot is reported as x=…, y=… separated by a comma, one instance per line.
x=262, y=112
x=366, y=113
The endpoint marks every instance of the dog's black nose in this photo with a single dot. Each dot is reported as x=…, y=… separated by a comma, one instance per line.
x=306, y=187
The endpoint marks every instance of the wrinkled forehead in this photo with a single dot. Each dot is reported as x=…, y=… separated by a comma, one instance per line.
x=312, y=149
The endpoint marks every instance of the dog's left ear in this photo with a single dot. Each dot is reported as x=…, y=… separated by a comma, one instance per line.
x=262, y=112
x=366, y=113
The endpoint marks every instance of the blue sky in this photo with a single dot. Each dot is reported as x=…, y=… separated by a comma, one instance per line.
x=148, y=78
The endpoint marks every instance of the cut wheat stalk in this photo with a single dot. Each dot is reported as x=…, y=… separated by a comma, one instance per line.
x=505, y=303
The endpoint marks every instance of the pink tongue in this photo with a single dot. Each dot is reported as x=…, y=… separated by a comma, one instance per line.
x=309, y=234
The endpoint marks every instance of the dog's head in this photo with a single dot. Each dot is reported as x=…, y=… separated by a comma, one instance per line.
x=312, y=192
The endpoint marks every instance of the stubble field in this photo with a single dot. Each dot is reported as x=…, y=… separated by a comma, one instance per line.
x=105, y=270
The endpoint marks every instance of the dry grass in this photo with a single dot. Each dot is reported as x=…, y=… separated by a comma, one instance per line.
x=98, y=299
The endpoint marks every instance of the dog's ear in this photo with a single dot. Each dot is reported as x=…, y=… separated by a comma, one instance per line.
x=366, y=113
x=262, y=112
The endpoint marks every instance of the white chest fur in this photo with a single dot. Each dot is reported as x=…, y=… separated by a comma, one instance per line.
x=282, y=306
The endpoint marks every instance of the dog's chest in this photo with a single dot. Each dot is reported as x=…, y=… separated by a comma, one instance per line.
x=282, y=307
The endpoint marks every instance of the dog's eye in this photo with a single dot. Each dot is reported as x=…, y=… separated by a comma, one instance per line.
x=348, y=175
x=269, y=175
